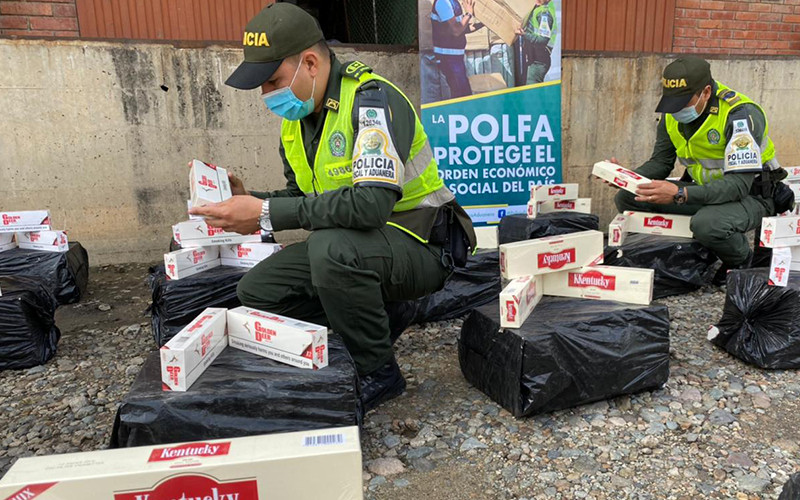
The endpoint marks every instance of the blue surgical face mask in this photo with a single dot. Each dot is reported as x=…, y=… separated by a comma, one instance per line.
x=283, y=102
x=687, y=114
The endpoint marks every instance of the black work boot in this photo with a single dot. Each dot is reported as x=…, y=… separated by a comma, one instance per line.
x=381, y=385
x=721, y=277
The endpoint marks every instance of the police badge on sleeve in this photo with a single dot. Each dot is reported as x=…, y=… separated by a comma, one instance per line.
x=742, y=153
x=375, y=159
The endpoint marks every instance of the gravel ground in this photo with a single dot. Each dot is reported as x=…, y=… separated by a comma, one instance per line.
x=718, y=429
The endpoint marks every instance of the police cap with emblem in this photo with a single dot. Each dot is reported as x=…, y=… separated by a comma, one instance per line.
x=280, y=30
x=682, y=79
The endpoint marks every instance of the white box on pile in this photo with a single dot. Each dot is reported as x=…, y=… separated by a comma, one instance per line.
x=580, y=205
x=622, y=284
x=617, y=230
x=794, y=173
x=283, y=339
x=619, y=176
x=487, y=237
x=554, y=192
x=298, y=465
x=780, y=231
x=190, y=261
x=660, y=224
x=551, y=254
x=196, y=233
x=208, y=184
x=187, y=355
x=48, y=241
x=518, y=299
x=20, y=222
x=7, y=241
x=246, y=254
x=780, y=265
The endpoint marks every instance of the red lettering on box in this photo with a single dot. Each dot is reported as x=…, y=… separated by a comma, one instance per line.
x=189, y=450
x=196, y=486
x=592, y=279
x=557, y=260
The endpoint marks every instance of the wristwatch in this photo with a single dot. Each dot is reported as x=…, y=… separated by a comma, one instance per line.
x=680, y=196
x=264, y=220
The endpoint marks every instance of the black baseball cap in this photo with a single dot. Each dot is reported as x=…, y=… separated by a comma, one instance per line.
x=280, y=30
x=682, y=79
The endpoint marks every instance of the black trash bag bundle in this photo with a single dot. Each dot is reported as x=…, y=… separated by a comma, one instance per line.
x=519, y=227
x=760, y=324
x=177, y=302
x=791, y=490
x=569, y=352
x=28, y=332
x=65, y=274
x=240, y=394
x=682, y=265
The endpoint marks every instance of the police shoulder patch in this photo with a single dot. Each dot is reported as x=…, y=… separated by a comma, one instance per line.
x=337, y=144
x=375, y=159
x=355, y=69
x=730, y=96
x=713, y=136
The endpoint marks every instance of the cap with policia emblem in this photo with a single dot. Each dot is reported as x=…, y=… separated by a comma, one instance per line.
x=682, y=79
x=280, y=30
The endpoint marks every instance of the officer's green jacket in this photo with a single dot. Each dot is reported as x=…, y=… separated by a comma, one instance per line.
x=541, y=20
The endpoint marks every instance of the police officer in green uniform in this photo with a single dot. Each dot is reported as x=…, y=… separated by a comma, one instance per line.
x=360, y=175
x=539, y=35
x=732, y=175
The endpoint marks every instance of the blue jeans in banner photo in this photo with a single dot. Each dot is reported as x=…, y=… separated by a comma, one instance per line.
x=455, y=72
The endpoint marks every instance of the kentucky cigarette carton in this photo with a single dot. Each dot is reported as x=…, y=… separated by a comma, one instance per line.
x=196, y=233
x=623, y=284
x=794, y=173
x=532, y=210
x=307, y=465
x=617, y=230
x=619, y=176
x=580, y=205
x=290, y=341
x=518, y=299
x=487, y=237
x=780, y=231
x=187, y=355
x=659, y=224
x=190, y=261
x=246, y=254
x=554, y=192
x=48, y=241
x=20, y=222
x=780, y=265
x=208, y=184
x=551, y=254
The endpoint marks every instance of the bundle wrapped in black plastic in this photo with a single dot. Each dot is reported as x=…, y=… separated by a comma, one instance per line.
x=682, y=265
x=791, y=490
x=177, y=302
x=760, y=324
x=519, y=227
x=569, y=352
x=65, y=274
x=28, y=332
x=240, y=394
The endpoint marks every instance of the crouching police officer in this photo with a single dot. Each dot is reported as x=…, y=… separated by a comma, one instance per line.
x=732, y=176
x=361, y=176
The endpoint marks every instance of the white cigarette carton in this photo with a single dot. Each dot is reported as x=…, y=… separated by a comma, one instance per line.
x=780, y=231
x=196, y=233
x=617, y=230
x=48, y=241
x=246, y=254
x=190, y=261
x=208, y=184
x=794, y=173
x=551, y=254
x=7, y=241
x=619, y=176
x=518, y=299
x=554, y=192
x=21, y=222
x=623, y=284
x=780, y=265
x=579, y=205
x=532, y=210
x=795, y=187
x=187, y=355
x=660, y=224
x=309, y=465
x=283, y=339
x=486, y=236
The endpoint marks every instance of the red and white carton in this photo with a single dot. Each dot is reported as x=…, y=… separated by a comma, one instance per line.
x=551, y=254
x=660, y=224
x=623, y=284
x=246, y=254
x=617, y=230
x=290, y=341
x=208, y=184
x=518, y=299
x=554, y=192
x=21, y=222
x=47, y=241
x=780, y=231
x=187, y=355
x=532, y=211
x=780, y=266
x=579, y=205
x=794, y=173
x=196, y=233
x=190, y=261
x=324, y=463
x=619, y=176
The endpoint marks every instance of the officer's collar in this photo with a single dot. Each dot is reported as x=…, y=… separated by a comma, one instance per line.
x=334, y=89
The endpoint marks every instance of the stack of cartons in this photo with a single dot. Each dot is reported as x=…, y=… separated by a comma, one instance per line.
x=31, y=230
x=782, y=235
x=550, y=198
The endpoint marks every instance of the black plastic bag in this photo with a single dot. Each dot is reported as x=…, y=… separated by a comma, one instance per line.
x=569, y=352
x=240, y=394
x=760, y=324
x=682, y=265
x=28, y=332
x=177, y=302
x=791, y=490
x=519, y=227
x=65, y=274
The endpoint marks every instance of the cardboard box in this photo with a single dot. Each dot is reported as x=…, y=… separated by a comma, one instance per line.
x=580, y=205
x=246, y=254
x=660, y=224
x=187, y=355
x=794, y=173
x=780, y=231
x=502, y=17
x=486, y=236
x=532, y=210
x=299, y=465
x=518, y=299
x=208, y=184
x=554, y=192
x=290, y=341
x=551, y=254
x=190, y=261
x=619, y=176
x=779, y=266
x=48, y=241
x=617, y=230
x=622, y=284
x=21, y=222
x=196, y=233
x=488, y=82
